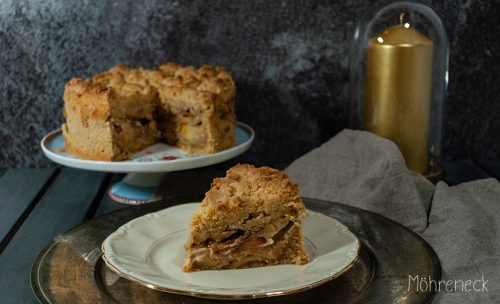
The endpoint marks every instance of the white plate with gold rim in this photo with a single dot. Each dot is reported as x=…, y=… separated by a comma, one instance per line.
x=150, y=251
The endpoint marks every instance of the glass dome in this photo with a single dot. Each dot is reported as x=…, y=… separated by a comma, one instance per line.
x=398, y=81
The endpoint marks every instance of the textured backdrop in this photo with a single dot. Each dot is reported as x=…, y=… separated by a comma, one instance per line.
x=289, y=59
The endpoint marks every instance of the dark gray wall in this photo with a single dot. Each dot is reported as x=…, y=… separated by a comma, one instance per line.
x=289, y=59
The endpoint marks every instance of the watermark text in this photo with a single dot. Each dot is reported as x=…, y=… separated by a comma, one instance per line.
x=426, y=284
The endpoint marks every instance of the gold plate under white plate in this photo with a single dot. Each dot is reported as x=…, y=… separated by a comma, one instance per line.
x=150, y=250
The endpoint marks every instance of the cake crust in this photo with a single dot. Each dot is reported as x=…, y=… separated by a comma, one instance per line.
x=251, y=217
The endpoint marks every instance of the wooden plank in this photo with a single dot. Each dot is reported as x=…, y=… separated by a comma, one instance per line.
x=98, y=197
x=188, y=183
x=490, y=166
x=107, y=204
x=460, y=171
x=19, y=191
x=64, y=205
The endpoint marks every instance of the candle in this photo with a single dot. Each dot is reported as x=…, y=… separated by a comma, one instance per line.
x=398, y=91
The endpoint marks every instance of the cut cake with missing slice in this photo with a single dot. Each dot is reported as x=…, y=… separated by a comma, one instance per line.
x=114, y=114
x=250, y=218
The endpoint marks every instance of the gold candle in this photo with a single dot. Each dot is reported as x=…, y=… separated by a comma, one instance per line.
x=398, y=91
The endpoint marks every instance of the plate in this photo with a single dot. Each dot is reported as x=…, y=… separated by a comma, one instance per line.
x=70, y=269
x=159, y=157
x=150, y=251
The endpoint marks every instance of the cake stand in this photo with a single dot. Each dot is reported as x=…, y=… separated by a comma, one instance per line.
x=146, y=169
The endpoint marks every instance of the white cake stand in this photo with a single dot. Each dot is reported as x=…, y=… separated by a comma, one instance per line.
x=146, y=168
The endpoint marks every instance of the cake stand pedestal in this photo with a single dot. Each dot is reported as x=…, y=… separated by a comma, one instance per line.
x=136, y=188
x=148, y=167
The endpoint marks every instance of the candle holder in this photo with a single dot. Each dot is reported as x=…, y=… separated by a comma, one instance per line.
x=398, y=81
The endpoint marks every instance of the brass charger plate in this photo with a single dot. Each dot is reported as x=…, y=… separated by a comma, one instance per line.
x=70, y=269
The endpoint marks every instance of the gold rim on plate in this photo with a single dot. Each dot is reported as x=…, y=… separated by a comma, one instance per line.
x=234, y=296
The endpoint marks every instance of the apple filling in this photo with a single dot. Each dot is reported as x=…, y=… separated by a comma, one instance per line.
x=244, y=248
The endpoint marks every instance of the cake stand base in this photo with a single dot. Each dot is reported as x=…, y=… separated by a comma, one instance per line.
x=136, y=188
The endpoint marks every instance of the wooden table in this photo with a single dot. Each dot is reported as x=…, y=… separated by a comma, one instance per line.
x=38, y=204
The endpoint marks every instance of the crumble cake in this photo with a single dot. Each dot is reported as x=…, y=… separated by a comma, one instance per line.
x=112, y=115
x=249, y=218
x=109, y=116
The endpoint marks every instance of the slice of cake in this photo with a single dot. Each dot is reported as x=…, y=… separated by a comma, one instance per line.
x=109, y=116
x=250, y=218
x=196, y=107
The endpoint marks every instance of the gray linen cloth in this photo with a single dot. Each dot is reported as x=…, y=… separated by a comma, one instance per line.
x=461, y=223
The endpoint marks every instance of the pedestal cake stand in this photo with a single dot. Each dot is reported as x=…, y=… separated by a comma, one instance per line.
x=147, y=168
